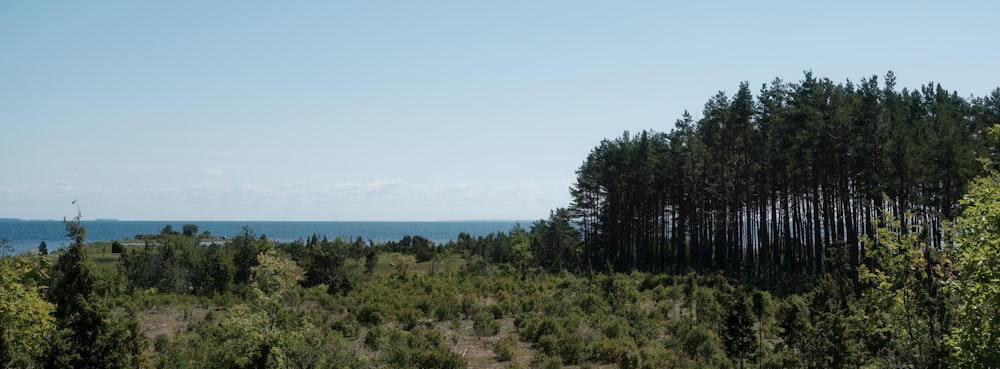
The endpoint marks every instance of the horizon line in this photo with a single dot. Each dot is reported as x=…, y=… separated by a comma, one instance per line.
x=271, y=220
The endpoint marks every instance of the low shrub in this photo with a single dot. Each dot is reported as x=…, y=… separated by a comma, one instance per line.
x=375, y=338
x=504, y=348
x=484, y=325
x=369, y=315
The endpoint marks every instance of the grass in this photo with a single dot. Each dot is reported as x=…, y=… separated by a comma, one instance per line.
x=395, y=262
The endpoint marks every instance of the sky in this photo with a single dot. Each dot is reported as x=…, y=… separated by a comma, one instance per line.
x=406, y=110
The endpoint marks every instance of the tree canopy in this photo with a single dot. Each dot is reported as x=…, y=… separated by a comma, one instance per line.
x=759, y=188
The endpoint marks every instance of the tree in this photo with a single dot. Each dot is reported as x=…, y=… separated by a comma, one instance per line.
x=738, y=336
x=26, y=321
x=556, y=242
x=977, y=335
x=89, y=335
x=760, y=189
x=43, y=248
x=761, y=303
x=260, y=334
x=189, y=230
x=906, y=310
x=168, y=230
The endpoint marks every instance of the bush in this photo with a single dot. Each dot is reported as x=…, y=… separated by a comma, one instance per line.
x=161, y=343
x=543, y=361
x=615, y=327
x=592, y=304
x=420, y=348
x=444, y=312
x=375, y=338
x=530, y=327
x=702, y=343
x=347, y=326
x=549, y=344
x=504, y=348
x=484, y=325
x=608, y=351
x=408, y=318
x=369, y=315
x=573, y=347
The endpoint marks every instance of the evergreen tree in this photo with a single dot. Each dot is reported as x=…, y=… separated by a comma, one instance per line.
x=88, y=335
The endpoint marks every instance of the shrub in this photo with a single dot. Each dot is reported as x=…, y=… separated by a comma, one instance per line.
x=347, y=326
x=592, y=304
x=615, y=327
x=573, y=347
x=530, y=327
x=702, y=343
x=369, y=315
x=607, y=351
x=161, y=343
x=420, y=348
x=484, y=325
x=375, y=338
x=444, y=312
x=543, y=361
x=504, y=348
x=408, y=318
x=549, y=344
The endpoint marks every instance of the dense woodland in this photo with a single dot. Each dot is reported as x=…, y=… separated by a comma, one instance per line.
x=819, y=225
x=760, y=188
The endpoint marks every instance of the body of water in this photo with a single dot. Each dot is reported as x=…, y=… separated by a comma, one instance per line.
x=25, y=235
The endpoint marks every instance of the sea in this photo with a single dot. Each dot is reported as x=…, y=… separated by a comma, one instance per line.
x=26, y=235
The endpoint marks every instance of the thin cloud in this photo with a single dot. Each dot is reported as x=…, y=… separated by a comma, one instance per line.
x=393, y=199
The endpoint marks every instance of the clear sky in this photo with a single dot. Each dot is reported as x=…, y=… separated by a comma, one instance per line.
x=405, y=110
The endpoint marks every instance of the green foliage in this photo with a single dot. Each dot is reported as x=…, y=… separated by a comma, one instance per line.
x=369, y=315
x=88, y=334
x=504, y=348
x=419, y=348
x=375, y=338
x=977, y=333
x=117, y=247
x=161, y=343
x=26, y=320
x=760, y=186
x=274, y=276
x=555, y=242
x=738, y=337
x=703, y=345
x=189, y=230
x=484, y=325
x=907, y=312
x=543, y=361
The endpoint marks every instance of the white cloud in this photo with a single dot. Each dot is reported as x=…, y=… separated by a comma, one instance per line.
x=214, y=172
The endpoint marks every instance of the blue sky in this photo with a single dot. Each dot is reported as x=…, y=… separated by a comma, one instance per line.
x=408, y=110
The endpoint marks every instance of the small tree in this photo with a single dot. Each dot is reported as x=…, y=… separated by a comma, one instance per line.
x=977, y=336
x=189, y=230
x=26, y=321
x=89, y=335
x=739, y=339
